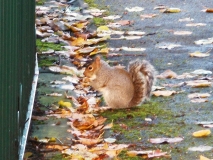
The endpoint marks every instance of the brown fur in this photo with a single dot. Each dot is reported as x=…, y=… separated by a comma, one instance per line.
x=121, y=88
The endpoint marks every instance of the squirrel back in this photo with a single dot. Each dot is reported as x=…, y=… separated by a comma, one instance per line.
x=121, y=88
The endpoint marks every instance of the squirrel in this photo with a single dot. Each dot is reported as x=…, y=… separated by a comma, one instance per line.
x=121, y=88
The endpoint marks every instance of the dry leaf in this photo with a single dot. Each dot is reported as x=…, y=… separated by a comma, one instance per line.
x=89, y=142
x=201, y=71
x=165, y=93
x=186, y=19
x=204, y=41
x=202, y=133
x=199, y=95
x=165, y=140
x=168, y=46
x=124, y=22
x=171, y=10
x=182, y=33
x=204, y=158
x=199, y=54
x=195, y=24
x=112, y=17
x=198, y=83
x=134, y=9
x=200, y=148
x=167, y=74
x=54, y=94
x=143, y=16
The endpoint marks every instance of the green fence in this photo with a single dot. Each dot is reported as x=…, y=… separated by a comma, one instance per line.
x=17, y=63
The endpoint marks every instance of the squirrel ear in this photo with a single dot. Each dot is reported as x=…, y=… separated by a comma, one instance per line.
x=98, y=61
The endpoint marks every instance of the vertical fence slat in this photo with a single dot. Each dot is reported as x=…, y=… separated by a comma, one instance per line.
x=17, y=62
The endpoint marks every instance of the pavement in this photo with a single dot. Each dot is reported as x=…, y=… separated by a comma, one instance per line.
x=162, y=31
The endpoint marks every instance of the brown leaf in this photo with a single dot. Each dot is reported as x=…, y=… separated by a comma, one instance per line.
x=165, y=93
x=167, y=74
x=198, y=83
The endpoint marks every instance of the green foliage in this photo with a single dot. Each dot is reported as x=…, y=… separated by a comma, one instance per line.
x=44, y=46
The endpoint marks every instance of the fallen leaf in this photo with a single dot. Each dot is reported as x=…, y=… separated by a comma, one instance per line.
x=27, y=155
x=143, y=16
x=109, y=140
x=199, y=95
x=165, y=140
x=89, y=142
x=202, y=133
x=198, y=83
x=168, y=46
x=204, y=41
x=112, y=17
x=201, y=71
x=204, y=158
x=149, y=154
x=171, y=10
x=182, y=33
x=134, y=9
x=208, y=10
x=200, y=148
x=124, y=22
x=199, y=54
x=186, y=19
x=195, y=24
x=167, y=74
x=133, y=49
x=58, y=147
x=54, y=94
x=165, y=93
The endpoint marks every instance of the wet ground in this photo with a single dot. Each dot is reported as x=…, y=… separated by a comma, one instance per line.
x=173, y=116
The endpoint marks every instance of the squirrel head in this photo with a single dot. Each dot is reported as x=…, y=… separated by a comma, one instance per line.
x=92, y=68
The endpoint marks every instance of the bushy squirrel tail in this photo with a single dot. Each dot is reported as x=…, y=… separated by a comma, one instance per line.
x=143, y=77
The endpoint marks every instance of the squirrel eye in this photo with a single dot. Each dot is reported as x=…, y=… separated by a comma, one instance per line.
x=90, y=68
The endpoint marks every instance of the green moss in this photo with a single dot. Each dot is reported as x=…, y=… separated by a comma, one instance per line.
x=123, y=155
x=46, y=61
x=58, y=157
x=130, y=122
x=91, y=3
x=40, y=2
x=44, y=46
x=99, y=21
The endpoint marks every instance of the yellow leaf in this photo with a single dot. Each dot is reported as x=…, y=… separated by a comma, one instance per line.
x=203, y=158
x=52, y=139
x=65, y=104
x=78, y=41
x=27, y=155
x=102, y=28
x=171, y=10
x=202, y=133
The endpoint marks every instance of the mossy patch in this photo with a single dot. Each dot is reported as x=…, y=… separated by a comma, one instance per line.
x=91, y=3
x=99, y=21
x=40, y=2
x=44, y=46
x=130, y=122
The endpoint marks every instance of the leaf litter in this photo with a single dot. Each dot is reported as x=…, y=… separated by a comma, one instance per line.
x=88, y=129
